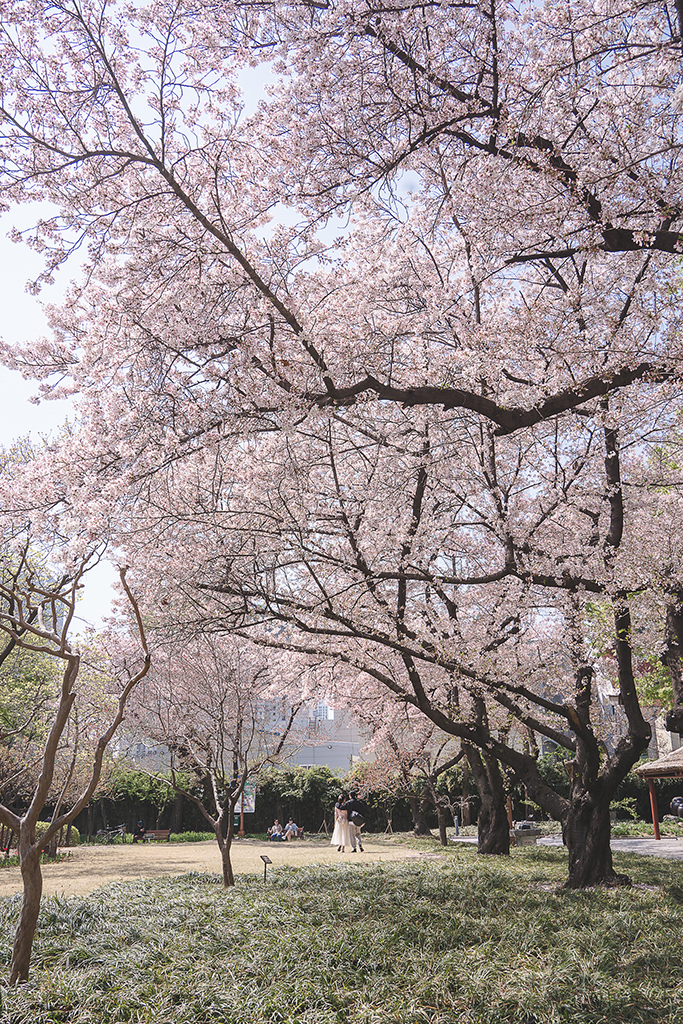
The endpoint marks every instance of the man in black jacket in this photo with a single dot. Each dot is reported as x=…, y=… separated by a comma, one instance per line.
x=355, y=812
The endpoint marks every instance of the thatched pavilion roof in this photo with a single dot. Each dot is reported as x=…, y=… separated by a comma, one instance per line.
x=670, y=766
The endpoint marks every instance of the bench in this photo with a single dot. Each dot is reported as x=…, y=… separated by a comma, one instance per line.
x=163, y=834
x=299, y=834
x=280, y=836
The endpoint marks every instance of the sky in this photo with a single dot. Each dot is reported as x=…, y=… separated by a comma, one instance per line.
x=22, y=319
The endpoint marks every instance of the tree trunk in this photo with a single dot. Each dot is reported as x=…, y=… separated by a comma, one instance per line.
x=586, y=832
x=419, y=819
x=465, y=815
x=28, y=917
x=176, y=822
x=441, y=815
x=493, y=830
x=673, y=659
x=224, y=837
x=228, y=876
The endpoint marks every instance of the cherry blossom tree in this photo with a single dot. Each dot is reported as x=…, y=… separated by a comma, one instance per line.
x=440, y=260
x=355, y=557
x=218, y=708
x=37, y=618
x=492, y=161
x=411, y=759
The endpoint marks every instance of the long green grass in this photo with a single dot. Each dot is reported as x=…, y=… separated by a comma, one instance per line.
x=463, y=939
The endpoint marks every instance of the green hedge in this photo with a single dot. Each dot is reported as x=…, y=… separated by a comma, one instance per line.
x=74, y=836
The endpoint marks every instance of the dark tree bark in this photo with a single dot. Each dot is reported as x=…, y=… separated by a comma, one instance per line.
x=176, y=822
x=103, y=812
x=586, y=822
x=465, y=803
x=225, y=844
x=441, y=812
x=673, y=659
x=418, y=811
x=493, y=830
x=586, y=833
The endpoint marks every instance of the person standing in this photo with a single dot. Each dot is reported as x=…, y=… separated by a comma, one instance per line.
x=341, y=837
x=355, y=813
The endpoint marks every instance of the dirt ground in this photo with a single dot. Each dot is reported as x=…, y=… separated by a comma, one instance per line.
x=91, y=867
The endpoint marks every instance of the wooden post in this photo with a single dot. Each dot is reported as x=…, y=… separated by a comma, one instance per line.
x=653, y=805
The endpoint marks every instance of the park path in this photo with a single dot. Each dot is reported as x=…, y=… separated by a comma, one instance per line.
x=670, y=849
x=90, y=867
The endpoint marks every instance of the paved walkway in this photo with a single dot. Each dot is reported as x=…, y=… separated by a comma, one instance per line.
x=670, y=849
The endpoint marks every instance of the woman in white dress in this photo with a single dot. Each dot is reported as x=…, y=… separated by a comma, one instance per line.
x=341, y=837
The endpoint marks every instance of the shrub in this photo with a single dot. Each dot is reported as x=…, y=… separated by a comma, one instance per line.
x=190, y=837
x=74, y=835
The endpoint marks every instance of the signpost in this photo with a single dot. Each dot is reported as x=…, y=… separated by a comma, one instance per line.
x=247, y=803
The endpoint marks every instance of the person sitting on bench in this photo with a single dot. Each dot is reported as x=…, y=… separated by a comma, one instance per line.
x=291, y=829
x=139, y=833
x=275, y=831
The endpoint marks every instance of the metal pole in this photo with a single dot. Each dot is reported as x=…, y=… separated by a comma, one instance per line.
x=653, y=805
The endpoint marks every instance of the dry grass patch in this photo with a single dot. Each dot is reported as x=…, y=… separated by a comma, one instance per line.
x=90, y=867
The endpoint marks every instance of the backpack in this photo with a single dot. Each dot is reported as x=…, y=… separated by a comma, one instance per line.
x=356, y=818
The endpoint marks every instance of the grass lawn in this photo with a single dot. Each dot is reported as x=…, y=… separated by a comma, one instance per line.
x=459, y=939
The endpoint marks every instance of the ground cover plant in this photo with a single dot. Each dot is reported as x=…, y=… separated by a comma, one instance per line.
x=190, y=837
x=451, y=938
x=12, y=861
x=668, y=829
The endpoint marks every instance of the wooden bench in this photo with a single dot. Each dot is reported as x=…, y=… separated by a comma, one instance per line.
x=163, y=834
